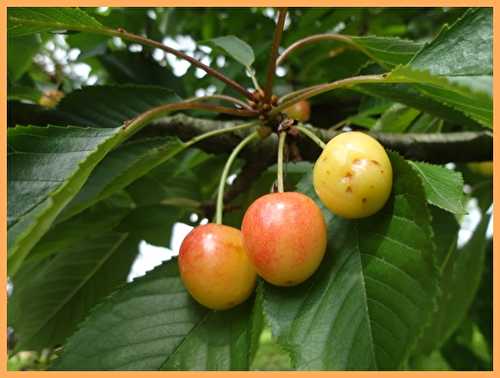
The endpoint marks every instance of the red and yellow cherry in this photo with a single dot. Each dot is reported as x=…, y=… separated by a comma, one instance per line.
x=284, y=235
x=300, y=111
x=353, y=175
x=215, y=268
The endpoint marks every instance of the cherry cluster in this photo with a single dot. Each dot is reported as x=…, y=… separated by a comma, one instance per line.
x=283, y=235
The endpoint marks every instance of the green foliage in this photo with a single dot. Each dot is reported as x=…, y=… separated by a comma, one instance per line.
x=153, y=324
x=87, y=184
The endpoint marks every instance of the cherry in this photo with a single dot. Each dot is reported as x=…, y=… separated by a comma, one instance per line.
x=285, y=237
x=353, y=175
x=299, y=111
x=484, y=168
x=215, y=268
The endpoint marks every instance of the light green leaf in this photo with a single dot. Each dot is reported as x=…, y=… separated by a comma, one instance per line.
x=368, y=303
x=443, y=187
x=235, y=47
x=153, y=324
x=25, y=21
x=52, y=297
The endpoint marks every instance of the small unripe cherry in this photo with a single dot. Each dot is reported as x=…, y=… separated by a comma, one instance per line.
x=215, y=268
x=353, y=175
x=484, y=168
x=300, y=111
x=285, y=237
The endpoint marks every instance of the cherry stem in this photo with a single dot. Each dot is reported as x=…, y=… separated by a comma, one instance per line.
x=225, y=173
x=303, y=94
x=212, y=133
x=271, y=66
x=281, y=148
x=311, y=135
x=312, y=39
x=149, y=42
x=226, y=98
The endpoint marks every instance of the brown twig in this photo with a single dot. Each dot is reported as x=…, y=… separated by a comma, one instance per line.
x=271, y=66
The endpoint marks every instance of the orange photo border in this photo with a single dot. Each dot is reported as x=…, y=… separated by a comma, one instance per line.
x=242, y=3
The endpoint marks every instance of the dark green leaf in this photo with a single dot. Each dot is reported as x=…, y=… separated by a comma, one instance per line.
x=153, y=223
x=20, y=52
x=235, y=47
x=52, y=297
x=367, y=304
x=121, y=167
x=94, y=221
x=47, y=166
x=110, y=106
x=473, y=100
x=461, y=274
x=126, y=67
x=153, y=324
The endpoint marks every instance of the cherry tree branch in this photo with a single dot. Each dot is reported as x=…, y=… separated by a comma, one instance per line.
x=438, y=148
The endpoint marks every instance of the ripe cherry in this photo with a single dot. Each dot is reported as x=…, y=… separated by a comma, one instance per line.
x=285, y=237
x=215, y=268
x=301, y=111
x=353, y=175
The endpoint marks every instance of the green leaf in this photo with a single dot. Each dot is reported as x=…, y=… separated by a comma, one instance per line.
x=443, y=187
x=47, y=166
x=235, y=47
x=17, y=91
x=411, y=96
x=121, y=167
x=63, y=235
x=388, y=52
x=464, y=49
x=445, y=227
x=52, y=297
x=153, y=223
x=20, y=52
x=459, y=283
x=396, y=119
x=110, y=106
x=25, y=21
x=139, y=68
x=367, y=304
x=153, y=324
x=474, y=101
x=426, y=123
